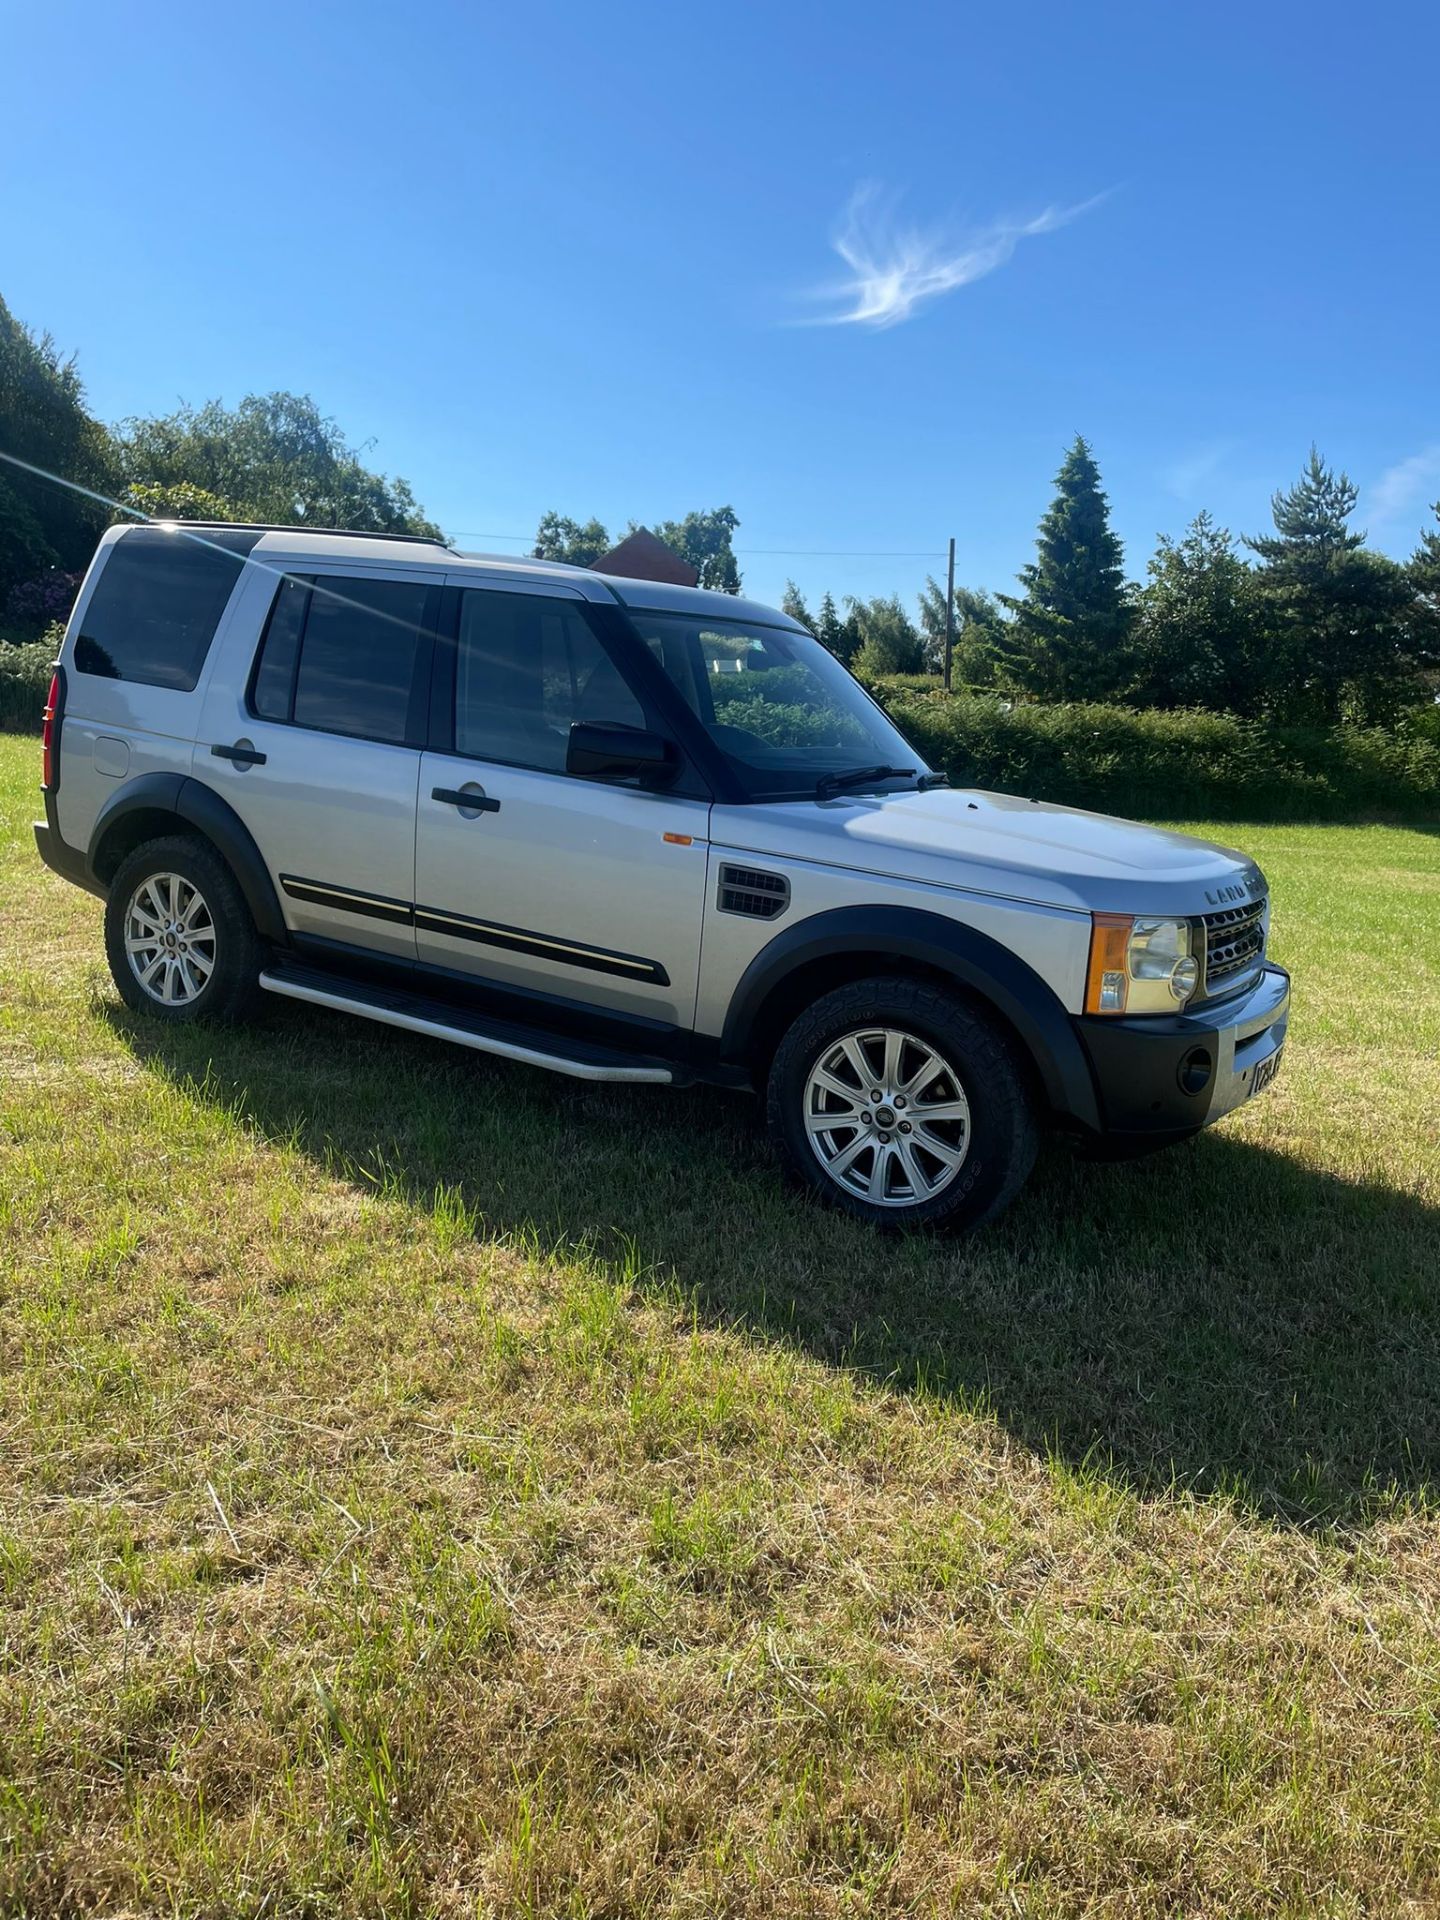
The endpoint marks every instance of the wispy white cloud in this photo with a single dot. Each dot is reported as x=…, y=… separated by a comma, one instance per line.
x=896, y=269
x=1185, y=477
x=1402, y=486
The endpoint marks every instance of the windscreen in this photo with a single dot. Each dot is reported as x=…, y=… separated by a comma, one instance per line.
x=782, y=710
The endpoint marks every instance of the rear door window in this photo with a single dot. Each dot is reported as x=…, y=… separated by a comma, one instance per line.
x=157, y=603
x=348, y=655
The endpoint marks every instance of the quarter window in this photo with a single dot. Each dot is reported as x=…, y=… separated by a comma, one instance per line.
x=157, y=603
x=274, y=681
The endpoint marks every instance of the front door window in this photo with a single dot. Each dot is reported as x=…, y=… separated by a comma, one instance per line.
x=526, y=670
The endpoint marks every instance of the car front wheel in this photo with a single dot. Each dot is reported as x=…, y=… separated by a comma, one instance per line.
x=903, y=1104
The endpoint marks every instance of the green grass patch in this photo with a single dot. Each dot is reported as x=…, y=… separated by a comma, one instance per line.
x=429, y=1487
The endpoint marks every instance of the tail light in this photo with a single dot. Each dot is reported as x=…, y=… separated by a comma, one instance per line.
x=49, y=737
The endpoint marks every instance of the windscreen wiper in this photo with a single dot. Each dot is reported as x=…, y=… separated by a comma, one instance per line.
x=832, y=783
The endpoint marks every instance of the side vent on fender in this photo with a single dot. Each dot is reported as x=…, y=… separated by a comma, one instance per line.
x=748, y=890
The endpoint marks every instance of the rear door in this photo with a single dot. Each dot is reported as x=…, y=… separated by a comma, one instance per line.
x=586, y=890
x=315, y=738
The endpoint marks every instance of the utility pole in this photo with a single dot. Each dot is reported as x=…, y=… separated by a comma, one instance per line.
x=950, y=615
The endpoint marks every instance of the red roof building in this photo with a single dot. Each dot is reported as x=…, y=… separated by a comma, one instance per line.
x=641, y=555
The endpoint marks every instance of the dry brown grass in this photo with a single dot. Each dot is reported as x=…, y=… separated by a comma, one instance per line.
x=429, y=1489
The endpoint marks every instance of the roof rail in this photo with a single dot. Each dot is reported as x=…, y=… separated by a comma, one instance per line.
x=292, y=526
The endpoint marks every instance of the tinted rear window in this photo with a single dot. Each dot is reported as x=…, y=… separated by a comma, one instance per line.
x=156, y=605
x=347, y=655
x=273, y=688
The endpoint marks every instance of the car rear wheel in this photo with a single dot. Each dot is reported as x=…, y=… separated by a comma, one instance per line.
x=904, y=1105
x=178, y=934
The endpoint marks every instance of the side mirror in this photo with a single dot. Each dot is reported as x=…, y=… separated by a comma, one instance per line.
x=603, y=751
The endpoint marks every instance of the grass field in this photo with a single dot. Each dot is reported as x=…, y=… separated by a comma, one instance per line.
x=429, y=1487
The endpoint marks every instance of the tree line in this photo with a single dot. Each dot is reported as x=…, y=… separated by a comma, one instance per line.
x=1316, y=628
x=705, y=539
x=274, y=457
x=1303, y=623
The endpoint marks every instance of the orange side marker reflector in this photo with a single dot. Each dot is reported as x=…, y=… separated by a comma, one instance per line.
x=681, y=839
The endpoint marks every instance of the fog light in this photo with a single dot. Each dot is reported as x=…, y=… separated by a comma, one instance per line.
x=1195, y=1070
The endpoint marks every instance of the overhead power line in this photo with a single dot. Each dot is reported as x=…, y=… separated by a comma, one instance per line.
x=787, y=553
x=846, y=553
x=524, y=539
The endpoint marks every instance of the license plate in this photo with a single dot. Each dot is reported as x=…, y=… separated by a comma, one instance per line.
x=1265, y=1072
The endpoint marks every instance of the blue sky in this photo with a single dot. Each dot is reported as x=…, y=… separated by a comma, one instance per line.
x=586, y=257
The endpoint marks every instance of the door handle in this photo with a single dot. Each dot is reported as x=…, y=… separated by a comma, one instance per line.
x=242, y=753
x=468, y=802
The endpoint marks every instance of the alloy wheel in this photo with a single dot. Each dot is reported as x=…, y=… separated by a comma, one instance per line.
x=170, y=939
x=887, y=1117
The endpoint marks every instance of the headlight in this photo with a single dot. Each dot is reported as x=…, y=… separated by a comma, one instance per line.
x=1138, y=965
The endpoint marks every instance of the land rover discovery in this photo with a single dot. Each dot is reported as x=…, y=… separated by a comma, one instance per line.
x=636, y=832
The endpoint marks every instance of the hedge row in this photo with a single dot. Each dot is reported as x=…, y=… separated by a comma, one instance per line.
x=24, y=682
x=1175, y=765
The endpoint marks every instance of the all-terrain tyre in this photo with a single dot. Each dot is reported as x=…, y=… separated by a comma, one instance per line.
x=904, y=1104
x=178, y=935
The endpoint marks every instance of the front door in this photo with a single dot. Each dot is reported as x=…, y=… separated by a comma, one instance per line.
x=578, y=888
x=317, y=748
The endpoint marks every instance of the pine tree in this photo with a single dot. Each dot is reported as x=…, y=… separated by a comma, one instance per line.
x=792, y=601
x=830, y=629
x=1425, y=626
x=1311, y=518
x=1426, y=558
x=1339, y=619
x=1071, y=626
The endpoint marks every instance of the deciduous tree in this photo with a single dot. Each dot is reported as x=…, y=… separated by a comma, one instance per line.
x=274, y=457
x=44, y=421
x=560, y=538
x=704, y=539
x=889, y=641
x=181, y=502
x=1199, y=632
x=982, y=650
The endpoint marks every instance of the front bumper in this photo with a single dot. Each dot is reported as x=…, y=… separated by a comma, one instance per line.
x=1166, y=1076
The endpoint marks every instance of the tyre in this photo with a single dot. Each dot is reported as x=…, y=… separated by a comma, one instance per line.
x=904, y=1104
x=178, y=934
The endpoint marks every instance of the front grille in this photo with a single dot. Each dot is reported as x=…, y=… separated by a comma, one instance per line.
x=1234, y=947
x=752, y=891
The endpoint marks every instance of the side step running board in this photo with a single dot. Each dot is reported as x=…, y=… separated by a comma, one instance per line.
x=416, y=1014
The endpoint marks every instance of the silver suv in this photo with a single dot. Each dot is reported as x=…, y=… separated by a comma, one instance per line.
x=636, y=832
